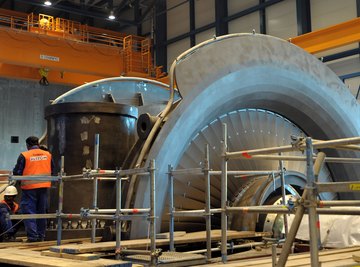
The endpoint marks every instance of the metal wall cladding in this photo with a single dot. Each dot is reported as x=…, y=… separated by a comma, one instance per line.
x=71, y=133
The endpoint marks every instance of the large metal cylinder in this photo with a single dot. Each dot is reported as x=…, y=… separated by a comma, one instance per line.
x=71, y=133
x=246, y=71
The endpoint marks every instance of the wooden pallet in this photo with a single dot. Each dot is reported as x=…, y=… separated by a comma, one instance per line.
x=145, y=243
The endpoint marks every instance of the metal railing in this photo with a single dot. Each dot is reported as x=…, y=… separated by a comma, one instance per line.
x=308, y=203
x=207, y=212
x=118, y=214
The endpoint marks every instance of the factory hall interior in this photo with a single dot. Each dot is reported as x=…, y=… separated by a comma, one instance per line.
x=179, y=133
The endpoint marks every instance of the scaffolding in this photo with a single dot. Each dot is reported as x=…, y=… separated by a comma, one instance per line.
x=308, y=202
x=118, y=215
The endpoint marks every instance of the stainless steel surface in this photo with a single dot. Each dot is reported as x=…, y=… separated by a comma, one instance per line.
x=124, y=90
x=250, y=71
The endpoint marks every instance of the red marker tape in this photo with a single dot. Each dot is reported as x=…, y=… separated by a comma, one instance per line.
x=246, y=155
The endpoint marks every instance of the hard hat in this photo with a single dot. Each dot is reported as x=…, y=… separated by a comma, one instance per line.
x=10, y=191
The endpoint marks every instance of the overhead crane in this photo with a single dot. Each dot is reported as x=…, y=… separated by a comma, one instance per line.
x=75, y=54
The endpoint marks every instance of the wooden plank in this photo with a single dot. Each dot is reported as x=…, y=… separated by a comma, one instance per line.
x=167, y=235
x=142, y=243
x=34, y=259
x=301, y=259
x=356, y=257
x=25, y=245
x=81, y=257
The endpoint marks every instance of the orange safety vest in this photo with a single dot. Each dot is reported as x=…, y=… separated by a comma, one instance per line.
x=37, y=162
x=16, y=206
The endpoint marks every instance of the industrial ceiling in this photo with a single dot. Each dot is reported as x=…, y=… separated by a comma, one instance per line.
x=92, y=12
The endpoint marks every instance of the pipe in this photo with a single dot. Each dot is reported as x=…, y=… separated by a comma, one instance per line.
x=273, y=254
x=322, y=144
x=292, y=233
x=61, y=200
x=334, y=203
x=207, y=203
x=318, y=164
x=199, y=171
x=345, y=147
x=105, y=211
x=100, y=216
x=33, y=216
x=194, y=171
x=260, y=209
x=311, y=207
x=301, y=158
x=117, y=221
x=338, y=211
x=171, y=208
x=224, y=195
x=265, y=172
x=283, y=196
x=153, y=258
x=246, y=245
x=33, y=177
x=95, y=186
x=137, y=171
x=153, y=132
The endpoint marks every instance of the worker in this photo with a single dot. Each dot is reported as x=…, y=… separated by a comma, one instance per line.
x=8, y=206
x=34, y=198
x=44, y=73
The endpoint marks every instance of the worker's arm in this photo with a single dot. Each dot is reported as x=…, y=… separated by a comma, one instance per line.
x=20, y=165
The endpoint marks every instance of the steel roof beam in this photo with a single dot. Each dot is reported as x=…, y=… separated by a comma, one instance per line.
x=303, y=15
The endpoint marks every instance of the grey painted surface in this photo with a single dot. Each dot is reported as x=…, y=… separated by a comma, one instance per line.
x=22, y=114
x=252, y=71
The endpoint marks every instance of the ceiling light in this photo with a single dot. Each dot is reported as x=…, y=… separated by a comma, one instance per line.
x=112, y=16
x=47, y=3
